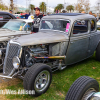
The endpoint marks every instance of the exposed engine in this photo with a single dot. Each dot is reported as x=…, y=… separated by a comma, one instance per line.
x=3, y=46
x=35, y=51
x=48, y=53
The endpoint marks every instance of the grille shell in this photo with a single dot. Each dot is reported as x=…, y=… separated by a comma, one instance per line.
x=12, y=51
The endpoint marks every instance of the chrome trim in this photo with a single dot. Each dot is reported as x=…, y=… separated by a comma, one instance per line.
x=6, y=76
x=20, y=53
x=12, y=42
x=5, y=60
x=96, y=94
x=12, y=72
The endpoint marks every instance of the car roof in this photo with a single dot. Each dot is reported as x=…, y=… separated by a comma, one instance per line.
x=25, y=20
x=70, y=16
x=2, y=12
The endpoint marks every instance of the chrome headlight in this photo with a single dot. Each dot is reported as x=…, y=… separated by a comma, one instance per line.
x=16, y=62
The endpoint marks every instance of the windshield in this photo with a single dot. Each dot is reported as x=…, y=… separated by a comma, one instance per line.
x=14, y=25
x=60, y=25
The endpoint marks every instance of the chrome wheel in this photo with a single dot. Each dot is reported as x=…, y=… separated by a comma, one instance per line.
x=42, y=81
x=88, y=94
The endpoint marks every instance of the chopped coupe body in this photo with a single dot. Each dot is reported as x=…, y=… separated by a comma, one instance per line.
x=62, y=40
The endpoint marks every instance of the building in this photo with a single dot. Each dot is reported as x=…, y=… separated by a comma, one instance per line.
x=95, y=9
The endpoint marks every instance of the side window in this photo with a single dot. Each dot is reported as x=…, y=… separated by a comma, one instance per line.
x=80, y=26
x=60, y=25
x=93, y=25
x=1, y=17
x=6, y=17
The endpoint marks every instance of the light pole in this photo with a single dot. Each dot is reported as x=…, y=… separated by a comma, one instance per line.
x=98, y=8
x=64, y=4
x=47, y=7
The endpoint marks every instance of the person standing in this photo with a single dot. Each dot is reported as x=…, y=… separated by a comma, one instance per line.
x=90, y=13
x=83, y=12
x=10, y=11
x=36, y=22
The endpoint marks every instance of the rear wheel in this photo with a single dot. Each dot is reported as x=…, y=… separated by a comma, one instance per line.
x=38, y=78
x=82, y=88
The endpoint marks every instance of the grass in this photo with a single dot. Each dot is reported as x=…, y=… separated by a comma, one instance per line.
x=62, y=80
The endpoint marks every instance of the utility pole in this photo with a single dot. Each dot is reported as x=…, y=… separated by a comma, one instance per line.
x=64, y=4
x=47, y=7
x=98, y=7
x=12, y=5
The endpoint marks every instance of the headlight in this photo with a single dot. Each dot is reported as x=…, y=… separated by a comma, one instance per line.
x=16, y=62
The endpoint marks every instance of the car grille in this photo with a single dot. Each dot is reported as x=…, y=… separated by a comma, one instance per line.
x=12, y=51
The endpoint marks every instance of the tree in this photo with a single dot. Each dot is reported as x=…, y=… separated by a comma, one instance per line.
x=56, y=8
x=59, y=7
x=12, y=5
x=70, y=8
x=0, y=1
x=98, y=5
x=82, y=5
x=32, y=8
x=3, y=6
x=87, y=6
x=43, y=7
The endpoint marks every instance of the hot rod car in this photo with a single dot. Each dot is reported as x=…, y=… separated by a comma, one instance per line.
x=62, y=40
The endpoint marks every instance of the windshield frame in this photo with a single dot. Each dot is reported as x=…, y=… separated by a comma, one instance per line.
x=55, y=30
x=15, y=21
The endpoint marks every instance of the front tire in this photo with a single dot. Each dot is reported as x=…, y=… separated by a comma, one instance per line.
x=38, y=78
x=82, y=88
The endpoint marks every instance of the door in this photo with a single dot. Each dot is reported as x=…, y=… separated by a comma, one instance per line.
x=79, y=42
x=4, y=18
x=94, y=38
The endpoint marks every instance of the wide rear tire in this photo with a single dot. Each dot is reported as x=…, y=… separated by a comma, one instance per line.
x=81, y=88
x=98, y=52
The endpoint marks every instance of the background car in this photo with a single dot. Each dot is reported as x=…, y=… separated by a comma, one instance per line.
x=5, y=17
x=98, y=25
x=17, y=16
x=18, y=25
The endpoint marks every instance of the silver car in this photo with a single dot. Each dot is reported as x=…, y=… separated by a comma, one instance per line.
x=62, y=40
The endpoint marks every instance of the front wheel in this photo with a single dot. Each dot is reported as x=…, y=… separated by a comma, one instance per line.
x=38, y=78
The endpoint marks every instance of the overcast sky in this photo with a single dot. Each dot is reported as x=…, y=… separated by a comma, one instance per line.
x=51, y=3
